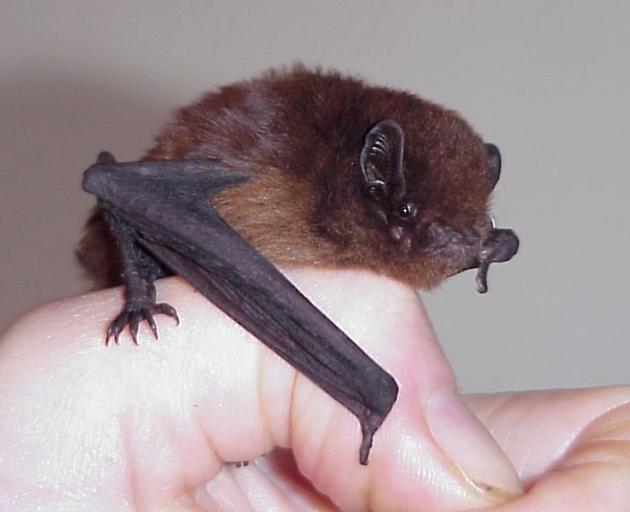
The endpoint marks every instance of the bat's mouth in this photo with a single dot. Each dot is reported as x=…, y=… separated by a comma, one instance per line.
x=500, y=245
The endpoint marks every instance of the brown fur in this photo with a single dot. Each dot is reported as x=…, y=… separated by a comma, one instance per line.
x=301, y=133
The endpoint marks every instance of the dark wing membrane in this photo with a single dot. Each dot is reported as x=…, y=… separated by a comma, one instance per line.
x=166, y=204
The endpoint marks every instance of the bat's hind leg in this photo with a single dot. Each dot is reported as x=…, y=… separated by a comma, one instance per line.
x=140, y=270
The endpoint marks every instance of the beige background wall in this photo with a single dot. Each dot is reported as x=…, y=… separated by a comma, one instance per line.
x=549, y=82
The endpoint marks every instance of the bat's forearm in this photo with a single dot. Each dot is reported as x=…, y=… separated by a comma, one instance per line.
x=186, y=235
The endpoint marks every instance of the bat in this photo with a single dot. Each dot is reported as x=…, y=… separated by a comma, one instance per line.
x=297, y=167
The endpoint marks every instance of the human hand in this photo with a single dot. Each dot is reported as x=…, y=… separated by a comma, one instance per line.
x=84, y=426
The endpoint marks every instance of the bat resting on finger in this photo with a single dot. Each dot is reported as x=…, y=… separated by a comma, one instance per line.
x=297, y=167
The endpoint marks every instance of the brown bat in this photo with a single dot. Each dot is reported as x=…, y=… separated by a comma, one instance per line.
x=297, y=167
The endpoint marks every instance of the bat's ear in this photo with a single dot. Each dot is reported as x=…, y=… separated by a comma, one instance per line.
x=382, y=161
x=494, y=163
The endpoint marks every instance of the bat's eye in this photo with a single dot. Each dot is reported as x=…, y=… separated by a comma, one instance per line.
x=376, y=190
x=407, y=211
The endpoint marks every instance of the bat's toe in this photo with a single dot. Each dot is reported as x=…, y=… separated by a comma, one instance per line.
x=133, y=314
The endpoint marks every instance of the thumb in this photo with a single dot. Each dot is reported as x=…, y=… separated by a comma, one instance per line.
x=431, y=453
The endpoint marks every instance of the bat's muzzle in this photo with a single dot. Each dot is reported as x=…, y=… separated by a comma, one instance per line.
x=500, y=245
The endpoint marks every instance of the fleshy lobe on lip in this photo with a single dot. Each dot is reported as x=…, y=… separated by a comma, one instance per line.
x=500, y=245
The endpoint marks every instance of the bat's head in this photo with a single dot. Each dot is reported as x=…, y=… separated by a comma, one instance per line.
x=427, y=194
x=350, y=175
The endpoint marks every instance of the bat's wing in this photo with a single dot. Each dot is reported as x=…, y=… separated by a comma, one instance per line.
x=163, y=207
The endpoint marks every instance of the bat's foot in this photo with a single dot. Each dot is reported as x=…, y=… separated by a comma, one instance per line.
x=133, y=313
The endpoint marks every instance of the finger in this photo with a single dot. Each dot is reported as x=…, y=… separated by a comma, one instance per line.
x=267, y=483
x=536, y=429
x=572, y=447
x=158, y=420
x=431, y=452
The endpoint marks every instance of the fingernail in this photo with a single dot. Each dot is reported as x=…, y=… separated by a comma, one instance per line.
x=470, y=447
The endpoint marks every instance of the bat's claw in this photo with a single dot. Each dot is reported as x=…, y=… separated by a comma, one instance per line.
x=165, y=309
x=132, y=314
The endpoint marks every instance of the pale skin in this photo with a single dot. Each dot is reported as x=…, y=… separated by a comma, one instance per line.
x=159, y=426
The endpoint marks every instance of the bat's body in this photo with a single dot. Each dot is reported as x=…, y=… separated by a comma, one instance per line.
x=298, y=168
